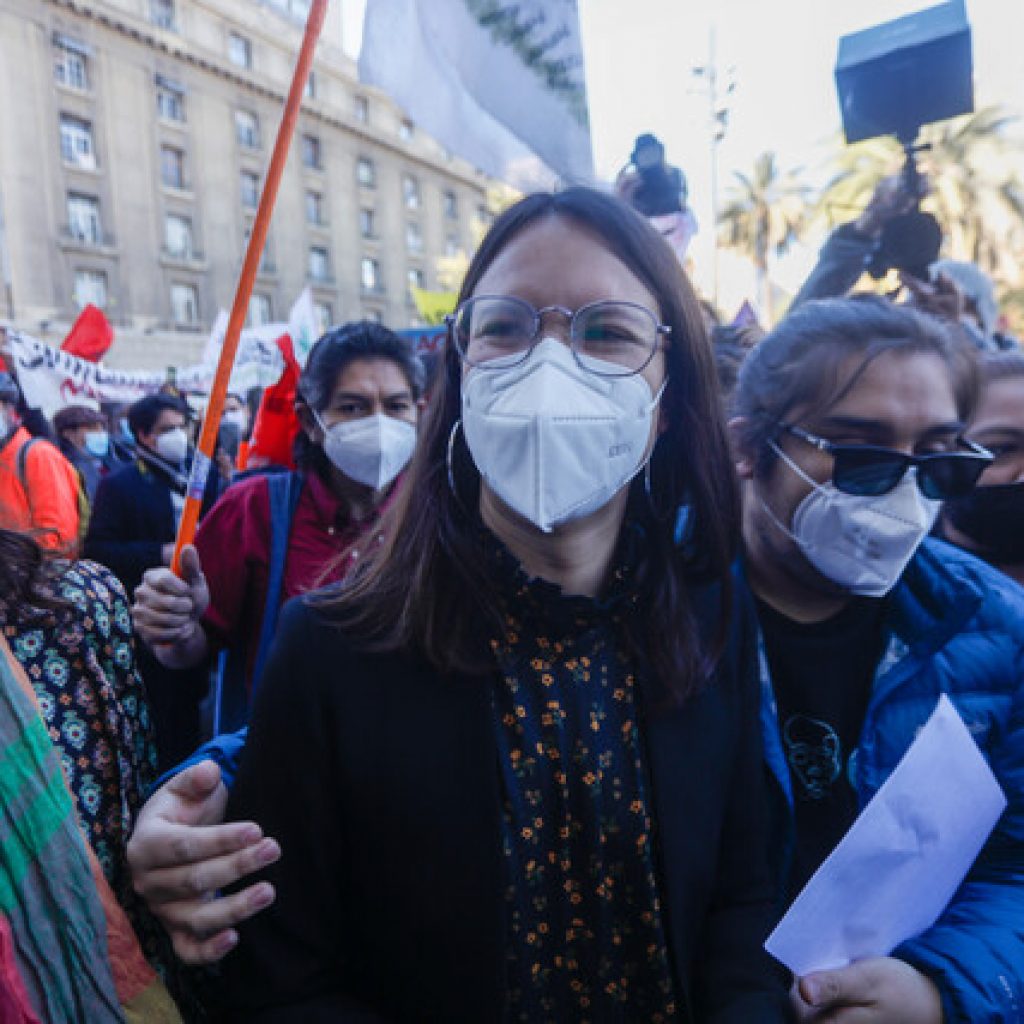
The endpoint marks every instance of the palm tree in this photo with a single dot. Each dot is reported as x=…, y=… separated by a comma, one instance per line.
x=764, y=213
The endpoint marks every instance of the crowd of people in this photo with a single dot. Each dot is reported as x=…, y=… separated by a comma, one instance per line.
x=533, y=691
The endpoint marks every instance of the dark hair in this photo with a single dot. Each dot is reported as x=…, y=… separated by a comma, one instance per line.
x=426, y=587
x=798, y=363
x=28, y=575
x=1001, y=365
x=9, y=390
x=340, y=346
x=71, y=417
x=143, y=414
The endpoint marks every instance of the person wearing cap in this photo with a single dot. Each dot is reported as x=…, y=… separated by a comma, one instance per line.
x=38, y=486
x=84, y=441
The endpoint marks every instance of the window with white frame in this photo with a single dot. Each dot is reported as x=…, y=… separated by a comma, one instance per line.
x=260, y=309
x=309, y=89
x=369, y=274
x=239, y=50
x=71, y=63
x=312, y=152
x=413, y=237
x=161, y=13
x=361, y=109
x=451, y=245
x=411, y=192
x=178, y=236
x=172, y=167
x=76, y=145
x=375, y=316
x=367, y=223
x=315, y=208
x=324, y=316
x=247, y=129
x=415, y=278
x=90, y=288
x=84, y=223
x=451, y=204
x=184, y=304
x=170, y=99
x=249, y=187
x=319, y=263
x=366, y=173
x=406, y=130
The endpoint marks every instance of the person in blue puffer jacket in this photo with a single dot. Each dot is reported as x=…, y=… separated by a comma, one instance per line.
x=848, y=437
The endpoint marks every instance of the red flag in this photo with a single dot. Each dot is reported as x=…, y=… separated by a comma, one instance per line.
x=276, y=426
x=90, y=335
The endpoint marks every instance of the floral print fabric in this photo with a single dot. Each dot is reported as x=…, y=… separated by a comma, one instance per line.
x=586, y=936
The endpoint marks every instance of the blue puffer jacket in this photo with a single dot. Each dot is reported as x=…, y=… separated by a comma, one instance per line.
x=956, y=627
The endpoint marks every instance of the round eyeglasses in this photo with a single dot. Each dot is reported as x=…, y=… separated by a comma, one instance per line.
x=608, y=338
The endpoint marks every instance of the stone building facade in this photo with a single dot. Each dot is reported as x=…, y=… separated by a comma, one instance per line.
x=133, y=139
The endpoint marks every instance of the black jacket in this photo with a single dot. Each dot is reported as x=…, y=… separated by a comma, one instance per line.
x=379, y=777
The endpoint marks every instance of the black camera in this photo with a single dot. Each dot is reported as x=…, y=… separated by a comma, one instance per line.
x=662, y=187
x=892, y=79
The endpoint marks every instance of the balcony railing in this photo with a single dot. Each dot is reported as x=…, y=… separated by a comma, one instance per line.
x=93, y=238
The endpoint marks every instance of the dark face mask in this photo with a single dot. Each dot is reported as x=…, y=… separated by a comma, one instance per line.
x=992, y=517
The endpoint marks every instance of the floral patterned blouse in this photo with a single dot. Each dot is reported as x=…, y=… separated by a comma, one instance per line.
x=81, y=663
x=586, y=938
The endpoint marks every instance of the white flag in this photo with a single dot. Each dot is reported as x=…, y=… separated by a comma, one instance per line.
x=500, y=84
x=302, y=326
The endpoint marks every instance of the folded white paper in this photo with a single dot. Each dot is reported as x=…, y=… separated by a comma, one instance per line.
x=904, y=858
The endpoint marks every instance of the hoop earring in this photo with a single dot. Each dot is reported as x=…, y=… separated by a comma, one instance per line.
x=448, y=460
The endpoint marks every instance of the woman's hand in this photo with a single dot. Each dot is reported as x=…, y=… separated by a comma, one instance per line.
x=877, y=991
x=181, y=853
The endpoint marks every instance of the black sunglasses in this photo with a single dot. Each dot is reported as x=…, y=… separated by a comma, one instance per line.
x=870, y=471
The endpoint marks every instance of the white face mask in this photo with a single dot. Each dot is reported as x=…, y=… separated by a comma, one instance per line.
x=553, y=441
x=237, y=418
x=172, y=446
x=372, y=450
x=861, y=542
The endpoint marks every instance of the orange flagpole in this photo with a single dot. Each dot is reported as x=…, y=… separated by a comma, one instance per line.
x=203, y=461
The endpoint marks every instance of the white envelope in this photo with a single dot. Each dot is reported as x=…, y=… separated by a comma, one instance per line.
x=904, y=857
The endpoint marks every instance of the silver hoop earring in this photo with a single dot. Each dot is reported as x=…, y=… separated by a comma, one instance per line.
x=448, y=459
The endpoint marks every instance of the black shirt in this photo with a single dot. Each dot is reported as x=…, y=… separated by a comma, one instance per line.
x=822, y=674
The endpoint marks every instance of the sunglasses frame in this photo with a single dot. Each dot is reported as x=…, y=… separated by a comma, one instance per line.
x=976, y=455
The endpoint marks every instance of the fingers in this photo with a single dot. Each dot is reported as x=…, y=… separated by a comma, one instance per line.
x=191, y=567
x=203, y=932
x=200, y=879
x=195, y=783
x=848, y=986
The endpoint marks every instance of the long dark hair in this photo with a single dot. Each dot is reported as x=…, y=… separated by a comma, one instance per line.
x=28, y=577
x=427, y=588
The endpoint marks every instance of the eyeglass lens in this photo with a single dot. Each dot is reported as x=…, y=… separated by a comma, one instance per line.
x=872, y=471
x=608, y=337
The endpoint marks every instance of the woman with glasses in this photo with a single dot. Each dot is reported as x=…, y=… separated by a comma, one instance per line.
x=849, y=433
x=513, y=766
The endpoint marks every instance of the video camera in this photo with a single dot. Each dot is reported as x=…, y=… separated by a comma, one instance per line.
x=892, y=79
x=662, y=187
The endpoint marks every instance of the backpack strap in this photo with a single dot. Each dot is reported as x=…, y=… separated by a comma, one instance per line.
x=21, y=461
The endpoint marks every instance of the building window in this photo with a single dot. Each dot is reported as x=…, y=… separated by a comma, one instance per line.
x=239, y=50
x=84, y=219
x=413, y=237
x=76, y=142
x=451, y=246
x=375, y=316
x=369, y=274
x=170, y=99
x=411, y=192
x=247, y=129
x=451, y=204
x=250, y=189
x=361, y=109
x=367, y=227
x=405, y=130
x=319, y=264
x=71, y=64
x=315, y=208
x=415, y=278
x=312, y=154
x=161, y=13
x=184, y=305
x=309, y=89
x=172, y=167
x=90, y=288
x=178, y=236
x=260, y=310
x=366, y=173
x=324, y=316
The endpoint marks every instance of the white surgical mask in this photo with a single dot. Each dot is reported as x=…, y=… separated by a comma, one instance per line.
x=372, y=450
x=172, y=446
x=236, y=417
x=861, y=542
x=552, y=440
x=97, y=442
